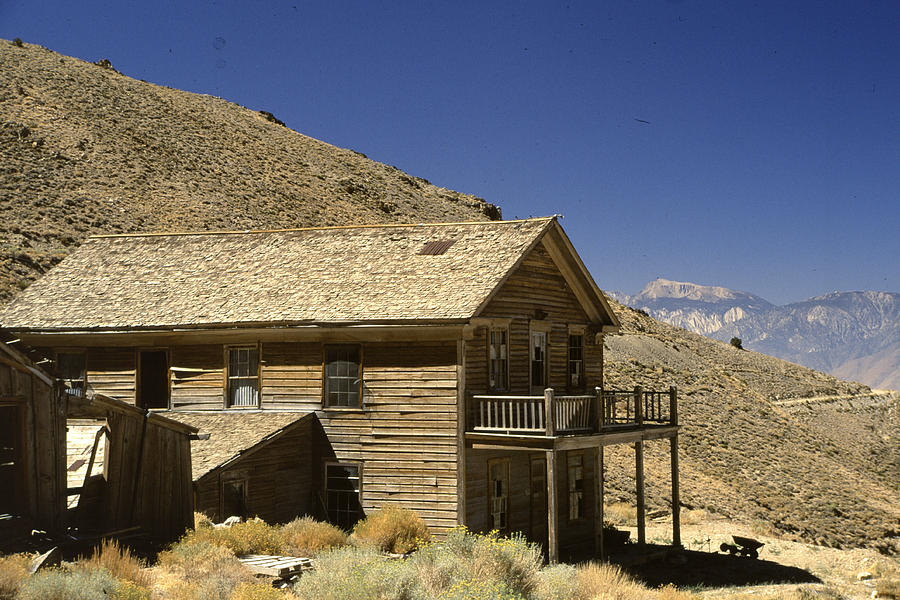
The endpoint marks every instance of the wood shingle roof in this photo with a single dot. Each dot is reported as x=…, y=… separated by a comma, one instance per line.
x=365, y=274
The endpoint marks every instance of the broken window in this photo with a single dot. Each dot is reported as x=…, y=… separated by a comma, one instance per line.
x=576, y=485
x=72, y=370
x=499, y=493
x=538, y=361
x=234, y=498
x=498, y=359
x=342, y=494
x=153, y=381
x=576, y=362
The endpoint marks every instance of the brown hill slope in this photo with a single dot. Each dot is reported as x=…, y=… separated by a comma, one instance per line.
x=87, y=150
x=765, y=441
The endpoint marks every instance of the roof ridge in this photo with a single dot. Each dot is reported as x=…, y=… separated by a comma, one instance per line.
x=322, y=228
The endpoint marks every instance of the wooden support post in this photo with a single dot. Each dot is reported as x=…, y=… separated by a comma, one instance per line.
x=676, y=493
x=552, y=514
x=598, y=502
x=639, y=478
x=639, y=405
x=673, y=405
x=598, y=404
x=550, y=411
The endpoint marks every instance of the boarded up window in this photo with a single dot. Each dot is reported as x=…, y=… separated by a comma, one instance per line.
x=343, y=376
x=243, y=377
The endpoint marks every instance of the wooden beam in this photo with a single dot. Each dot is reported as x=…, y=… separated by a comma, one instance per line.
x=462, y=415
x=550, y=412
x=639, y=481
x=676, y=493
x=552, y=512
x=580, y=442
x=598, y=502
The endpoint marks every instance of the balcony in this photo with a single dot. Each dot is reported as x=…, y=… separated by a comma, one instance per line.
x=552, y=415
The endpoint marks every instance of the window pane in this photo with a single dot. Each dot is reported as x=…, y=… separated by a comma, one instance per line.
x=342, y=376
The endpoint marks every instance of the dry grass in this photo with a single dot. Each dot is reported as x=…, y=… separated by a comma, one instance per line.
x=251, y=537
x=392, y=529
x=258, y=591
x=620, y=513
x=307, y=537
x=13, y=571
x=118, y=562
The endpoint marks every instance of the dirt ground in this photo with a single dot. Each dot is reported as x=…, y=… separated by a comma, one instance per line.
x=784, y=568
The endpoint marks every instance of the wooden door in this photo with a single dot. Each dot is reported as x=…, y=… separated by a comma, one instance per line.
x=153, y=379
x=11, y=473
x=538, y=519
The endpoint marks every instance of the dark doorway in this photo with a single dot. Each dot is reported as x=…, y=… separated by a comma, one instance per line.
x=11, y=476
x=153, y=382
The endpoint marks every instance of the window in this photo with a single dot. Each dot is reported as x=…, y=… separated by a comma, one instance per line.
x=576, y=362
x=243, y=377
x=343, y=377
x=575, y=462
x=342, y=497
x=498, y=495
x=153, y=379
x=498, y=359
x=71, y=369
x=538, y=361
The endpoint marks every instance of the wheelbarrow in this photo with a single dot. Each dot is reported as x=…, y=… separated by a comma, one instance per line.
x=742, y=546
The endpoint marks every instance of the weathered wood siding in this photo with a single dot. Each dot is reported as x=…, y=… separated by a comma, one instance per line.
x=278, y=476
x=574, y=536
x=42, y=413
x=405, y=436
x=536, y=284
x=292, y=376
x=111, y=372
x=197, y=374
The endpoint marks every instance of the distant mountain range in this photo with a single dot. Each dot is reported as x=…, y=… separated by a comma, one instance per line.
x=853, y=335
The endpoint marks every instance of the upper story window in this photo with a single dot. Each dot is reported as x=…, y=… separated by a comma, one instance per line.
x=576, y=362
x=243, y=376
x=498, y=359
x=343, y=376
x=71, y=367
x=538, y=356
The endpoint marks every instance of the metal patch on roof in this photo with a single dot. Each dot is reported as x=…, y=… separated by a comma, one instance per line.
x=436, y=247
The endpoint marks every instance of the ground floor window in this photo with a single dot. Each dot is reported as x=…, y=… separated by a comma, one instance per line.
x=234, y=498
x=342, y=494
x=498, y=495
x=71, y=369
x=575, y=463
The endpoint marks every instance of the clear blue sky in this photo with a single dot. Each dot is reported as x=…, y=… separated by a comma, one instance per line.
x=769, y=160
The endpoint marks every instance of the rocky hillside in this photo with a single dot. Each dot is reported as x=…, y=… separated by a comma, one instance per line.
x=85, y=150
x=791, y=450
x=853, y=335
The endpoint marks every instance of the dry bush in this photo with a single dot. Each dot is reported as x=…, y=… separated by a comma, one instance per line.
x=70, y=583
x=198, y=568
x=13, y=571
x=608, y=582
x=479, y=590
x=888, y=587
x=252, y=537
x=201, y=521
x=393, y=529
x=694, y=516
x=620, y=513
x=258, y=591
x=119, y=562
x=353, y=573
x=307, y=537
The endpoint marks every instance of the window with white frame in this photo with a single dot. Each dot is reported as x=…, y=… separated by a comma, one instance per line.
x=538, y=354
x=576, y=362
x=243, y=377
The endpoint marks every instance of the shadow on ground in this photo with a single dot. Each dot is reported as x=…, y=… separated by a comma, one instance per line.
x=689, y=568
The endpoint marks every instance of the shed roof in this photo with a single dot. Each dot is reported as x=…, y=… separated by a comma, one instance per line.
x=324, y=275
x=231, y=434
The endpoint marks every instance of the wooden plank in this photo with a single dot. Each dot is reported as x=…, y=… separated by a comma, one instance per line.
x=676, y=494
x=552, y=510
x=639, y=492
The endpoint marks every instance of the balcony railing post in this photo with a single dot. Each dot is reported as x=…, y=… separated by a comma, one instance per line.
x=673, y=405
x=638, y=405
x=598, y=403
x=550, y=411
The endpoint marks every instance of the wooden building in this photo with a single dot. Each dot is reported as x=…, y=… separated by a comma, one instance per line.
x=141, y=479
x=455, y=369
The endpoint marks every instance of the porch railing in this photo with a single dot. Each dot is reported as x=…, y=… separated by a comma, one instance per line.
x=553, y=414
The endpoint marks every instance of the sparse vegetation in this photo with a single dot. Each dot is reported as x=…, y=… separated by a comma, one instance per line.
x=13, y=571
x=17, y=42
x=307, y=537
x=736, y=342
x=392, y=529
x=119, y=562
